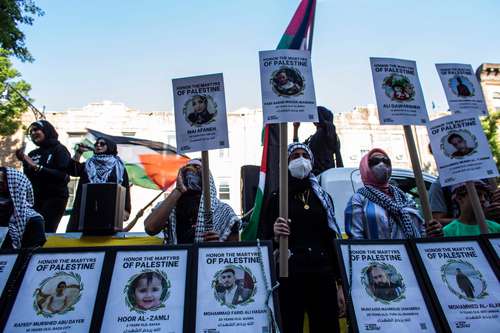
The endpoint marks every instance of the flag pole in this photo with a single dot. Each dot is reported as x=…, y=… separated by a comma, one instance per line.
x=283, y=198
x=417, y=171
x=476, y=207
x=206, y=190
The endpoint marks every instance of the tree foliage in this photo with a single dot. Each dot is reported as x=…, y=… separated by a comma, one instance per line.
x=12, y=106
x=490, y=127
x=14, y=13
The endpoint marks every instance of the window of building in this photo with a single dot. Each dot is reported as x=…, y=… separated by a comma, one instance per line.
x=224, y=190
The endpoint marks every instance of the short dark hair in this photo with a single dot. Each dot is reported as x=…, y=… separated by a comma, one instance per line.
x=228, y=270
x=453, y=136
x=61, y=283
x=369, y=272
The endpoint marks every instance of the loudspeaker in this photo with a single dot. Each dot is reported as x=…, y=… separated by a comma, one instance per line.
x=249, y=185
x=101, y=211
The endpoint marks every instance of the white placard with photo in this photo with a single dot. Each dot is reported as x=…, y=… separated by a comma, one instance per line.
x=287, y=86
x=231, y=293
x=400, y=100
x=385, y=292
x=58, y=293
x=200, y=113
x=467, y=288
x=147, y=292
x=461, y=150
x=462, y=89
x=7, y=262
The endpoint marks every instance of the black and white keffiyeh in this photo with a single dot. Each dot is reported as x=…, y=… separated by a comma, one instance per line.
x=223, y=218
x=396, y=207
x=100, y=167
x=21, y=193
x=327, y=203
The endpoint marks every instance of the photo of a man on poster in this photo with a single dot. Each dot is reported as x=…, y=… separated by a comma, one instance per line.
x=231, y=291
x=460, y=145
x=384, y=283
x=197, y=110
x=287, y=82
x=57, y=294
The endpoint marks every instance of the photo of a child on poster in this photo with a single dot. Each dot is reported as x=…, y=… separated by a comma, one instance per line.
x=147, y=291
x=58, y=294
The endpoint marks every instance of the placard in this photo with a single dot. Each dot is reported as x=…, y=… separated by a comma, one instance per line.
x=147, y=292
x=231, y=289
x=495, y=244
x=461, y=149
x=462, y=89
x=287, y=86
x=400, y=100
x=465, y=286
x=385, y=290
x=57, y=294
x=200, y=113
x=7, y=262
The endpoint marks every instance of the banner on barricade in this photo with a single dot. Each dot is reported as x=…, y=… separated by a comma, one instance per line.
x=462, y=89
x=200, y=113
x=287, y=86
x=57, y=293
x=231, y=289
x=461, y=150
x=385, y=288
x=400, y=100
x=148, y=291
x=465, y=287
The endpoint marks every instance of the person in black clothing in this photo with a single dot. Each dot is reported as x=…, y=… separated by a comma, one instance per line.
x=325, y=143
x=25, y=225
x=46, y=169
x=104, y=167
x=311, y=285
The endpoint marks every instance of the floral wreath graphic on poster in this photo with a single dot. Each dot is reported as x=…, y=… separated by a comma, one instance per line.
x=461, y=86
x=459, y=144
x=287, y=81
x=383, y=282
x=464, y=280
x=398, y=88
x=57, y=294
x=147, y=291
x=234, y=285
x=200, y=110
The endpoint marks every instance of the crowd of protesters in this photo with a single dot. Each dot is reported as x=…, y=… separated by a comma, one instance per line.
x=32, y=203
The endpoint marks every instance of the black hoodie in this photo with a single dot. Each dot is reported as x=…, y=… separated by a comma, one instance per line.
x=52, y=180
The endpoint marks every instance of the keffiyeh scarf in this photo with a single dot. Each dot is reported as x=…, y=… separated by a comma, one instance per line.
x=100, y=167
x=222, y=219
x=21, y=194
x=396, y=207
x=327, y=203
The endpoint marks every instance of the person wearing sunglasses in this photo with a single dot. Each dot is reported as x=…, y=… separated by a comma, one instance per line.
x=45, y=167
x=103, y=167
x=380, y=210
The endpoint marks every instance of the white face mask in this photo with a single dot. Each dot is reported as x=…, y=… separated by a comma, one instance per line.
x=300, y=167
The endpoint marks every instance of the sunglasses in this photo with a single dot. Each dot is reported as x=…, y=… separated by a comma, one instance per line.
x=100, y=143
x=376, y=160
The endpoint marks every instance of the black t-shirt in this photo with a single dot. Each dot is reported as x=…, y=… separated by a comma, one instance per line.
x=187, y=217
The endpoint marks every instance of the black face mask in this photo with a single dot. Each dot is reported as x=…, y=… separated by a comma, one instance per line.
x=192, y=181
x=6, y=209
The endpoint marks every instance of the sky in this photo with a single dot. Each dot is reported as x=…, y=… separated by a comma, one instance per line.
x=128, y=51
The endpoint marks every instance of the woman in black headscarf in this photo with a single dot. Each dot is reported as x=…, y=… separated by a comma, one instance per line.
x=104, y=167
x=45, y=167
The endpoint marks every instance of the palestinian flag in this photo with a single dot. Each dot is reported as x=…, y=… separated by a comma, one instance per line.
x=298, y=35
x=149, y=164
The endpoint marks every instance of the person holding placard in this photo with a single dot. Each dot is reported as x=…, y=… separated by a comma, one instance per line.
x=182, y=213
x=46, y=170
x=311, y=285
x=380, y=210
x=466, y=224
x=25, y=225
x=104, y=167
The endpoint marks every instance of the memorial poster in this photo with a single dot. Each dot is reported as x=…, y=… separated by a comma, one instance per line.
x=7, y=262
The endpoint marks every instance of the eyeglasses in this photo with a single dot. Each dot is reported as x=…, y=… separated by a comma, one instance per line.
x=377, y=159
x=100, y=143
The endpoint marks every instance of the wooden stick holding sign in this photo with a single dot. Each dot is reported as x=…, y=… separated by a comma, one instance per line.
x=206, y=191
x=417, y=171
x=283, y=205
x=476, y=207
